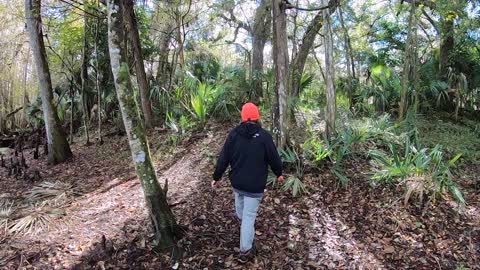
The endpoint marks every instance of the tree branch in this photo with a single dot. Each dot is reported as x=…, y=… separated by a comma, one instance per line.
x=331, y=4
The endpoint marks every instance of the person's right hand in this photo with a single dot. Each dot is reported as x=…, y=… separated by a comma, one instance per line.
x=280, y=179
x=215, y=184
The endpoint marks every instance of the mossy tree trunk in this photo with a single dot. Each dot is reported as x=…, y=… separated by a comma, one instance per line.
x=58, y=148
x=163, y=220
x=141, y=76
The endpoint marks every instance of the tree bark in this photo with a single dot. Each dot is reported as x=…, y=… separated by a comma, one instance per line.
x=407, y=65
x=131, y=21
x=164, y=66
x=97, y=82
x=447, y=44
x=58, y=148
x=84, y=75
x=163, y=220
x=26, y=101
x=329, y=75
x=298, y=62
x=260, y=32
x=348, y=57
x=280, y=59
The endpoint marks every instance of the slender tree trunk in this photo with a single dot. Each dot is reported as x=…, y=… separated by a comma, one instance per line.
x=407, y=65
x=329, y=75
x=131, y=21
x=348, y=57
x=85, y=76
x=72, y=106
x=26, y=101
x=58, y=148
x=97, y=83
x=280, y=59
x=178, y=21
x=163, y=220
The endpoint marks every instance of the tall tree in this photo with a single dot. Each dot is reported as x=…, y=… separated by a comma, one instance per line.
x=131, y=21
x=58, y=148
x=84, y=73
x=163, y=220
x=280, y=60
x=329, y=74
x=259, y=31
x=298, y=62
x=348, y=57
x=408, y=61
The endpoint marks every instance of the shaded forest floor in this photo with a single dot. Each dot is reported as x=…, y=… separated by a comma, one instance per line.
x=105, y=224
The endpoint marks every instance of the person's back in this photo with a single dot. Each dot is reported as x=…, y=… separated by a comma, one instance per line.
x=248, y=149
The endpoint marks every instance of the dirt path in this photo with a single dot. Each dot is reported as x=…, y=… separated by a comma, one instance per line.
x=331, y=228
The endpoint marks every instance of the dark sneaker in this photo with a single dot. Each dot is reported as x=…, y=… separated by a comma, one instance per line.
x=247, y=256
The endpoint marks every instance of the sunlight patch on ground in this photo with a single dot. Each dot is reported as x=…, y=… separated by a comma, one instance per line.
x=331, y=243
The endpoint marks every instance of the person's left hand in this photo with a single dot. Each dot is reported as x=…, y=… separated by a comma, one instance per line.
x=215, y=184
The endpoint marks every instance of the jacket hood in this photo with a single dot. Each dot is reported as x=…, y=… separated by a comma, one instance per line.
x=248, y=130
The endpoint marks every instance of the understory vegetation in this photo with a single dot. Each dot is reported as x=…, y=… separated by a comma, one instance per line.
x=382, y=98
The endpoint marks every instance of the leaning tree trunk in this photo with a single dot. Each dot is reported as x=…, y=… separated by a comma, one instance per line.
x=58, y=148
x=131, y=21
x=163, y=220
x=329, y=75
x=280, y=60
x=299, y=60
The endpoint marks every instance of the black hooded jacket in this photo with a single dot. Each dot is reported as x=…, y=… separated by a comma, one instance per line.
x=249, y=149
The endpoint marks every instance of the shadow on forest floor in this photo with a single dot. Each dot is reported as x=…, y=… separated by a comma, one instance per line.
x=331, y=228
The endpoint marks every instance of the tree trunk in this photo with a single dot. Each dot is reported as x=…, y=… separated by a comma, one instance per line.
x=329, y=75
x=164, y=66
x=58, y=148
x=260, y=32
x=447, y=44
x=85, y=75
x=163, y=220
x=280, y=60
x=407, y=65
x=26, y=101
x=72, y=106
x=298, y=62
x=131, y=22
x=97, y=82
x=348, y=58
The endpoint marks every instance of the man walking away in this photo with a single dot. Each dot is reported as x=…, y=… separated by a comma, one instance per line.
x=248, y=149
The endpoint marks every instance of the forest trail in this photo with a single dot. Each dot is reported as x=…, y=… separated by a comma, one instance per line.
x=331, y=228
